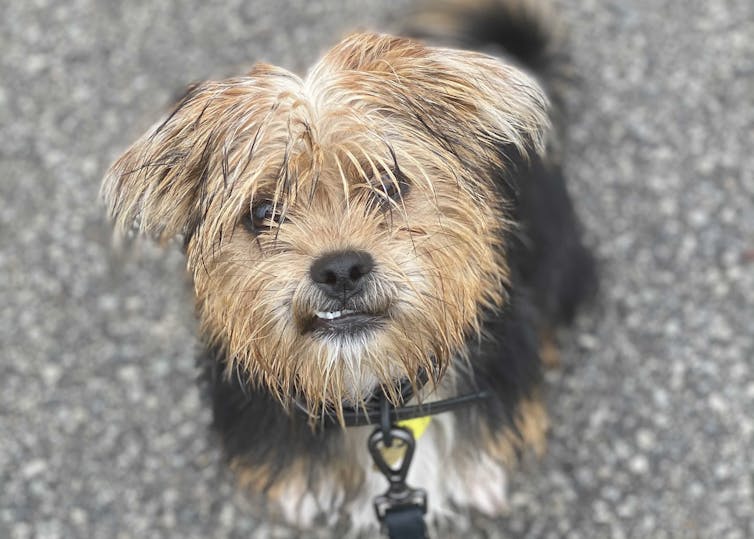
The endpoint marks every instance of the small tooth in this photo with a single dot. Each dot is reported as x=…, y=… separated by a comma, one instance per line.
x=328, y=315
x=333, y=315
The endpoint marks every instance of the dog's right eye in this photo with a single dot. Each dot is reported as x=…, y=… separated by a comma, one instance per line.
x=263, y=215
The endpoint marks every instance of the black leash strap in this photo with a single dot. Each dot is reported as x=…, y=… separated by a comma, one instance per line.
x=401, y=508
x=405, y=523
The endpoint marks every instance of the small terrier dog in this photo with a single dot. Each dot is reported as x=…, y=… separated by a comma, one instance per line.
x=397, y=216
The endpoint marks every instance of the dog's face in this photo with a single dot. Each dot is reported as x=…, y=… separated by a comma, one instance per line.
x=344, y=230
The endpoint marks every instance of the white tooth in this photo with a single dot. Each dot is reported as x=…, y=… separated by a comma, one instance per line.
x=333, y=315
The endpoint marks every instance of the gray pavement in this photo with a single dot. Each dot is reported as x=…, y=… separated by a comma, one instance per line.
x=102, y=432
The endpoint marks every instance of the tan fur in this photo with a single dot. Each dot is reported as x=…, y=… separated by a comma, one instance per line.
x=548, y=348
x=320, y=150
x=531, y=425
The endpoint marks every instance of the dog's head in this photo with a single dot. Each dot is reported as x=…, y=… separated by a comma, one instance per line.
x=343, y=230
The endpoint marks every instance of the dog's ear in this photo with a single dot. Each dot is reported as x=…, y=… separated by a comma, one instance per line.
x=153, y=188
x=164, y=183
x=498, y=102
x=456, y=95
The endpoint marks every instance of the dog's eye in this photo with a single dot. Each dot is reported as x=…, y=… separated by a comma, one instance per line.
x=392, y=187
x=263, y=215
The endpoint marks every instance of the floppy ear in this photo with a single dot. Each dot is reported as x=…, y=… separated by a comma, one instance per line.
x=500, y=103
x=155, y=185
x=457, y=96
x=164, y=183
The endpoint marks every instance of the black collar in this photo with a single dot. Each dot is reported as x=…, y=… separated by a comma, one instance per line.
x=373, y=411
x=373, y=416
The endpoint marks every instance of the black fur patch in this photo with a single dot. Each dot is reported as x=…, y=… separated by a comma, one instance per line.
x=546, y=253
x=506, y=364
x=552, y=273
x=257, y=430
x=520, y=33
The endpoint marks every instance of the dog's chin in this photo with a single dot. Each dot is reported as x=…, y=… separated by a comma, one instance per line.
x=365, y=347
x=363, y=391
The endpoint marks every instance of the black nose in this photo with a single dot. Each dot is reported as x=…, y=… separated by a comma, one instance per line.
x=340, y=274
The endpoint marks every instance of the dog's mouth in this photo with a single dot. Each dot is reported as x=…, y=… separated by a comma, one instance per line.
x=343, y=322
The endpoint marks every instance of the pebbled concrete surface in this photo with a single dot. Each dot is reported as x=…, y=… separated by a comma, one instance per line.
x=102, y=433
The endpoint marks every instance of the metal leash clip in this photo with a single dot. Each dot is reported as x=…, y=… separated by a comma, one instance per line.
x=399, y=496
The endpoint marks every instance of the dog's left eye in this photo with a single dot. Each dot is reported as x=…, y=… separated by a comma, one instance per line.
x=262, y=215
x=393, y=187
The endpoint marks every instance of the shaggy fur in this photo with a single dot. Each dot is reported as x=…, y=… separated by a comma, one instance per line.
x=428, y=166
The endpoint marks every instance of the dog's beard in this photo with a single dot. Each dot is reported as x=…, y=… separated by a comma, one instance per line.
x=285, y=333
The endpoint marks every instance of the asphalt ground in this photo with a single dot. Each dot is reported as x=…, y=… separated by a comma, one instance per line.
x=102, y=431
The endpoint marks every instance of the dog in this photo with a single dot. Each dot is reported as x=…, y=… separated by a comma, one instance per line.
x=398, y=217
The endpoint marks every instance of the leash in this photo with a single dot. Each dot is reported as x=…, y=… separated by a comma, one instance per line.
x=401, y=508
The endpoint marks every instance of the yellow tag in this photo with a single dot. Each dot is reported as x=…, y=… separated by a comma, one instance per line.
x=417, y=426
x=395, y=452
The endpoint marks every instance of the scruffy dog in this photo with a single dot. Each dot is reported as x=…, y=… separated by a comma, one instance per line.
x=396, y=217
